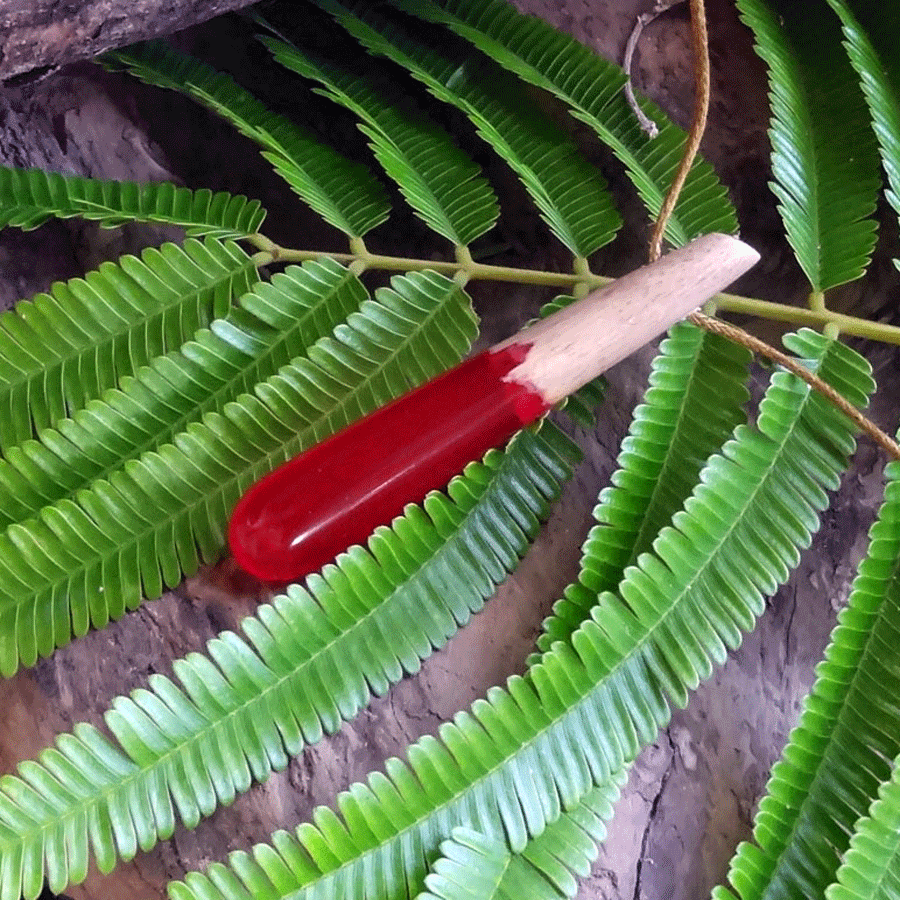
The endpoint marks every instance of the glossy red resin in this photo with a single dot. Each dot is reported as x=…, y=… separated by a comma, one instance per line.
x=303, y=514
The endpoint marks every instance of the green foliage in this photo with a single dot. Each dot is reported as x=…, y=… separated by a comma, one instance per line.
x=570, y=194
x=841, y=751
x=509, y=767
x=29, y=198
x=870, y=867
x=823, y=151
x=82, y=562
x=592, y=88
x=62, y=349
x=310, y=659
x=343, y=193
x=869, y=30
x=137, y=404
x=473, y=867
x=267, y=329
x=450, y=195
x=695, y=400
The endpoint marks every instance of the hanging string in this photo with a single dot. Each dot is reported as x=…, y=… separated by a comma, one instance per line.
x=700, y=42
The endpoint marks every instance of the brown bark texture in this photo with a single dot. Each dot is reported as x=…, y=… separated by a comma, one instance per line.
x=39, y=36
x=691, y=795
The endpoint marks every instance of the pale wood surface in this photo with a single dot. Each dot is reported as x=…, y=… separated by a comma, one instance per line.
x=581, y=341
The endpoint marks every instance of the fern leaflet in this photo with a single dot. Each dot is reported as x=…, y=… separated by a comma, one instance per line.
x=85, y=561
x=270, y=326
x=29, y=197
x=569, y=193
x=249, y=702
x=439, y=181
x=842, y=749
x=824, y=157
x=869, y=30
x=695, y=400
x=60, y=350
x=872, y=864
x=474, y=867
x=593, y=88
x=343, y=193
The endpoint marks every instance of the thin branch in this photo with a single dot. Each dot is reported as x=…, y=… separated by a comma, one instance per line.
x=748, y=306
x=640, y=23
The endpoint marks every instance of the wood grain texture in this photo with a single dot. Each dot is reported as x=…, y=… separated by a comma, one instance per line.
x=39, y=36
x=580, y=342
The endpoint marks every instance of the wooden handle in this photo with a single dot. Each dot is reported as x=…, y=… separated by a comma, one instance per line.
x=571, y=347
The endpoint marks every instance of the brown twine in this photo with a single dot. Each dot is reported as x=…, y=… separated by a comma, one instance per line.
x=700, y=42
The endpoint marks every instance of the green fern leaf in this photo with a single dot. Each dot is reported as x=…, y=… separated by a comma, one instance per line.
x=86, y=561
x=557, y=63
x=343, y=193
x=29, y=197
x=471, y=867
x=271, y=325
x=475, y=867
x=870, y=30
x=695, y=400
x=848, y=734
x=60, y=350
x=509, y=767
x=438, y=180
x=824, y=157
x=311, y=659
x=569, y=193
x=871, y=867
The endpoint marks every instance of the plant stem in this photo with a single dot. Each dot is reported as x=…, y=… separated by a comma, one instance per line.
x=734, y=303
x=815, y=318
x=263, y=258
x=474, y=270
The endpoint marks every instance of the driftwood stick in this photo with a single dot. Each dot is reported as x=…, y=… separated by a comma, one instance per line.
x=39, y=36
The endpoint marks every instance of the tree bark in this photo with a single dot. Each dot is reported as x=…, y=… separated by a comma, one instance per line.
x=39, y=36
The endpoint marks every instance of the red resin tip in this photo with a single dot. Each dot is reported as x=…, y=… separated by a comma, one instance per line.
x=299, y=517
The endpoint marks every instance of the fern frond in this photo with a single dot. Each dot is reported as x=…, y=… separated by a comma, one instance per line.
x=310, y=660
x=592, y=87
x=87, y=560
x=342, y=192
x=475, y=867
x=871, y=867
x=570, y=194
x=695, y=400
x=271, y=325
x=824, y=156
x=60, y=350
x=443, y=185
x=869, y=32
x=507, y=768
x=470, y=867
x=848, y=734
x=29, y=197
